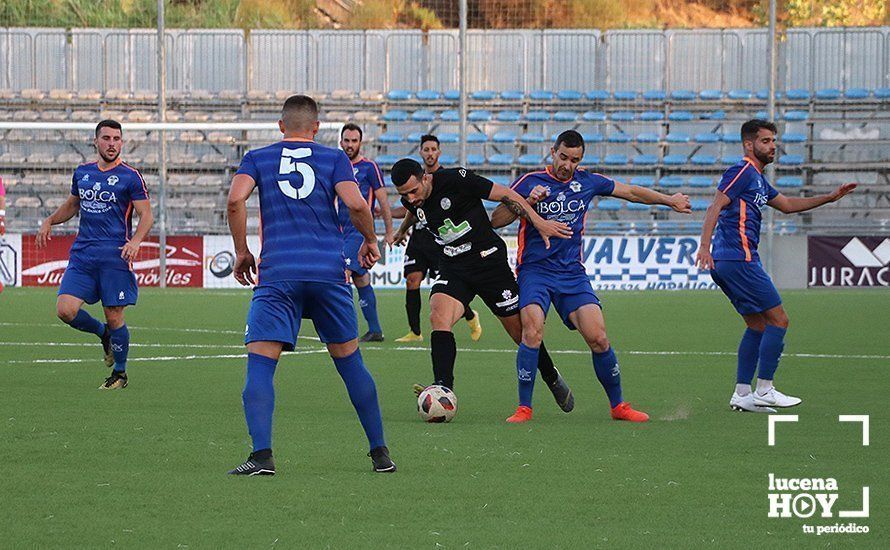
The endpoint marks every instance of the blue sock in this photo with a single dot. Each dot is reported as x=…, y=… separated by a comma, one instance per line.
x=771, y=346
x=363, y=394
x=526, y=368
x=259, y=399
x=368, y=302
x=749, y=349
x=609, y=374
x=85, y=322
x=120, y=346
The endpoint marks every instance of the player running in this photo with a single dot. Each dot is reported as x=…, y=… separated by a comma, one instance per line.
x=449, y=202
x=105, y=193
x=422, y=256
x=370, y=184
x=735, y=265
x=556, y=275
x=302, y=272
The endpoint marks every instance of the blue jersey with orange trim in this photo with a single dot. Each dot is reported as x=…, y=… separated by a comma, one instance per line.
x=299, y=228
x=738, y=226
x=106, y=202
x=567, y=203
x=369, y=179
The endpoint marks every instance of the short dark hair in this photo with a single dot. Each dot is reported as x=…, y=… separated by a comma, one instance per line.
x=569, y=138
x=299, y=109
x=428, y=137
x=403, y=170
x=109, y=123
x=750, y=128
x=353, y=127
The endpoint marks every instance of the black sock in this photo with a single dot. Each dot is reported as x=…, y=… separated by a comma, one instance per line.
x=262, y=454
x=444, y=352
x=468, y=313
x=412, y=307
x=545, y=365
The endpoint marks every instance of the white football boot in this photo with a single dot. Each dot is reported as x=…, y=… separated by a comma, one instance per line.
x=745, y=403
x=775, y=398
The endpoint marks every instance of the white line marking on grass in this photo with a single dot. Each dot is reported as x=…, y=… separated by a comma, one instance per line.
x=162, y=358
x=137, y=327
x=81, y=344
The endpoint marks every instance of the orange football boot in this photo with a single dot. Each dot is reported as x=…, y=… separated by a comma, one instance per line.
x=623, y=411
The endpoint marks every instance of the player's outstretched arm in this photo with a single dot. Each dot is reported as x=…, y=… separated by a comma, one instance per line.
x=362, y=219
x=634, y=193
x=63, y=213
x=518, y=206
x=146, y=220
x=791, y=205
x=703, y=259
x=245, y=263
x=504, y=216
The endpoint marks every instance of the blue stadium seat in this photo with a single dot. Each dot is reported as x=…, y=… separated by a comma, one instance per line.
x=647, y=137
x=537, y=116
x=500, y=179
x=681, y=116
x=532, y=138
x=615, y=159
x=674, y=160
x=789, y=181
x=530, y=159
x=590, y=160
x=786, y=227
x=670, y=181
x=729, y=160
x=477, y=137
x=484, y=95
x=513, y=95
x=590, y=137
x=423, y=115
x=654, y=95
x=509, y=116
x=622, y=116
x=449, y=137
x=700, y=181
x=569, y=95
x=625, y=95
x=447, y=159
x=475, y=159
x=763, y=115
x=798, y=94
x=643, y=181
x=882, y=93
x=703, y=160
x=387, y=159
x=651, y=116
x=450, y=116
x=395, y=116
x=677, y=137
x=608, y=227
x=713, y=115
x=452, y=95
x=707, y=137
x=711, y=95
x=638, y=207
x=610, y=205
x=732, y=137
x=504, y=136
x=479, y=116
x=390, y=137
x=645, y=160
x=598, y=95
x=795, y=116
x=682, y=95
x=619, y=137
x=791, y=160
x=565, y=116
x=428, y=95
x=398, y=95
x=828, y=94
x=739, y=94
x=763, y=93
x=501, y=159
x=792, y=137
x=541, y=95
x=414, y=137
x=594, y=116
x=857, y=93
x=699, y=205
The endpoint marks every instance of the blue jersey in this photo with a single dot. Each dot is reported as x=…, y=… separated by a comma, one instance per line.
x=106, y=203
x=299, y=229
x=738, y=226
x=369, y=179
x=567, y=203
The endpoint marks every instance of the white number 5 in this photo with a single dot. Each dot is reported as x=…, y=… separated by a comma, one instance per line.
x=288, y=166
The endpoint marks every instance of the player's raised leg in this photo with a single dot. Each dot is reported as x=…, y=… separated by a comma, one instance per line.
x=69, y=310
x=471, y=316
x=589, y=321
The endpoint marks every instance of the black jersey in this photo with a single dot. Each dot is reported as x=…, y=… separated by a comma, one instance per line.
x=455, y=216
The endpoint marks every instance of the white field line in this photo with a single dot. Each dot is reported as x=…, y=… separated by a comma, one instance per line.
x=155, y=359
x=137, y=327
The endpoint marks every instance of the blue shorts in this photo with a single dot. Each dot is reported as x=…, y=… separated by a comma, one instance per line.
x=351, y=246
x=277, y=309
x=746, y=285
x=567, y=293
x=99, y=273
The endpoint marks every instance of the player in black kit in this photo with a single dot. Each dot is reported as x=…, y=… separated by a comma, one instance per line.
x=474, y=259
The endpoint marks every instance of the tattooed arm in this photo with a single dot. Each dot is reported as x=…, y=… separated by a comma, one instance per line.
x=507, y=212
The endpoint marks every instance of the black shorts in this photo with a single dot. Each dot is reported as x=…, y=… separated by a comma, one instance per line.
x=422, y=254
x=488, y=277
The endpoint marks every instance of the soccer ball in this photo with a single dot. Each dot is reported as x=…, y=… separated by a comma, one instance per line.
x=437, y=404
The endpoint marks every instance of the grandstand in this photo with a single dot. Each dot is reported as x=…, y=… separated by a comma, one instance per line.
x=666, y=122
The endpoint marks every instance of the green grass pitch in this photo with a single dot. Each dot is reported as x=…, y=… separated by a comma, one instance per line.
x=145, y=467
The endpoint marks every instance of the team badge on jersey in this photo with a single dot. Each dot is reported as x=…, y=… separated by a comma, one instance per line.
x=112, y=180
x=575, y=186
x=445, y=203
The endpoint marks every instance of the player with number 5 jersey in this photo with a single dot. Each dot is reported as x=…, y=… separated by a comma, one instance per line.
x=301, y=273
